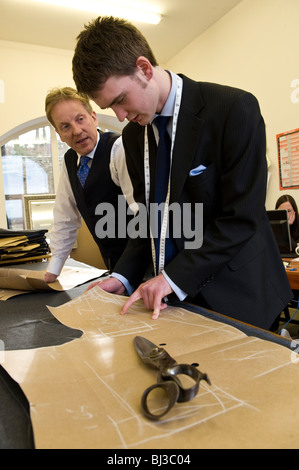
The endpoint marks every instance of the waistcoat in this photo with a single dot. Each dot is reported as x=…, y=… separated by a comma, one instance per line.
x=98, y=188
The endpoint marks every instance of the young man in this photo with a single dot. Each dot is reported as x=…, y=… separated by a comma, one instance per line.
x=217, y=159
x=76, y=123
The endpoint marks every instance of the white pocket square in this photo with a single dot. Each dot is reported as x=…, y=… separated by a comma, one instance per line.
x=196, y=171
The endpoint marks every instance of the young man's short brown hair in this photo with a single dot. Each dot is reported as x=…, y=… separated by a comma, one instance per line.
x=107, y=47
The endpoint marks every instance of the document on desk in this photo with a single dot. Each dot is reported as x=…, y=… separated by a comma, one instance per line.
x=14, y=281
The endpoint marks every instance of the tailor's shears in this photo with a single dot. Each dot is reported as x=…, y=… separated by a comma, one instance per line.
x=168, y=379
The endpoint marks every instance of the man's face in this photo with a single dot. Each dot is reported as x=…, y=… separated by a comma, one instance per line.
x=291, y=213
x=75, y=126
x=130, y=97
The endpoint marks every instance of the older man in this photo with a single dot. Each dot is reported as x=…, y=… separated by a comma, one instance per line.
x=76, y=123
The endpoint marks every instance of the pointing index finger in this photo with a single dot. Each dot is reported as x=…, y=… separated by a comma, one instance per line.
x=157, y=306
x=132, y=299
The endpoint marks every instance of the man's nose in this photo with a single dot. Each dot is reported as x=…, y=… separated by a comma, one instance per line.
x=121, y=114
x=76, y=129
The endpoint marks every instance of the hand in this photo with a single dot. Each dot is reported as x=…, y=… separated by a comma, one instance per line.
x=50, y=277
x=152, y=292
x=111, y=284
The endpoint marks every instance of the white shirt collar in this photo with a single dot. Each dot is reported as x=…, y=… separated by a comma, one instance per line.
x=168, y=107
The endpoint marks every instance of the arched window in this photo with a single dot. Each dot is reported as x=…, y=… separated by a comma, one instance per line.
x=31, y=158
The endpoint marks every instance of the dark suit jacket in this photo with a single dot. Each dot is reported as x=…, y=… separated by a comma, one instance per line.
x=238, y=270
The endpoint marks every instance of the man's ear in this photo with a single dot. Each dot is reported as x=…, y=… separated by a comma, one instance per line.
x=144, y=66
x=94, y=117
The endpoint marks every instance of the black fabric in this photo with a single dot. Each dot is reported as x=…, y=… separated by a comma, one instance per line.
x=30, y=234
x=33, y=245
x=26, y=322
x=16, y=430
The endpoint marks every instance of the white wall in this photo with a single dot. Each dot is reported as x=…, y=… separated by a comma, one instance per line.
x=27, y=73
x=254, y=47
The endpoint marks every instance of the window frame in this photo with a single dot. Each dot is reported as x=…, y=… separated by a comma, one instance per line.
x=105, y=122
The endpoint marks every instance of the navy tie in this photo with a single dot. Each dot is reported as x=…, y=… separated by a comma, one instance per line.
x=83, y=169
x=161, y=182
x=162, y=160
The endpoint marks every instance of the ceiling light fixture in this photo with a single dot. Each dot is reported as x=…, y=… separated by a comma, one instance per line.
x=119, y=9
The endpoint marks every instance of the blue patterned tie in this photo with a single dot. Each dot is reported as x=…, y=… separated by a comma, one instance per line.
x=83, y=169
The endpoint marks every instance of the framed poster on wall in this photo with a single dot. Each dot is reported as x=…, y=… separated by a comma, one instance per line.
x=288, y=159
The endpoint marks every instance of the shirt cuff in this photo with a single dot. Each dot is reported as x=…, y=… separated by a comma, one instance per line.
x=124, y=281
x=179, y=292
x=55, y=265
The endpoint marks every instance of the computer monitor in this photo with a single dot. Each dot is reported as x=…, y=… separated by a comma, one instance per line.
x=280, y=224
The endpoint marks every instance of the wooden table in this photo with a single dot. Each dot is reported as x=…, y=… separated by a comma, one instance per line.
x=292, y=271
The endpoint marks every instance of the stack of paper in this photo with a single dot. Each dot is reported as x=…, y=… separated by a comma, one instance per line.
x=15, y=281
x=22, y=246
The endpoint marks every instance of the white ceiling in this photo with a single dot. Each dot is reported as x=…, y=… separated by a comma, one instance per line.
x=183, y=20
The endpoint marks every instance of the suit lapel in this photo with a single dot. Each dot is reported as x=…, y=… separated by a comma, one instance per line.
x=187, y=136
